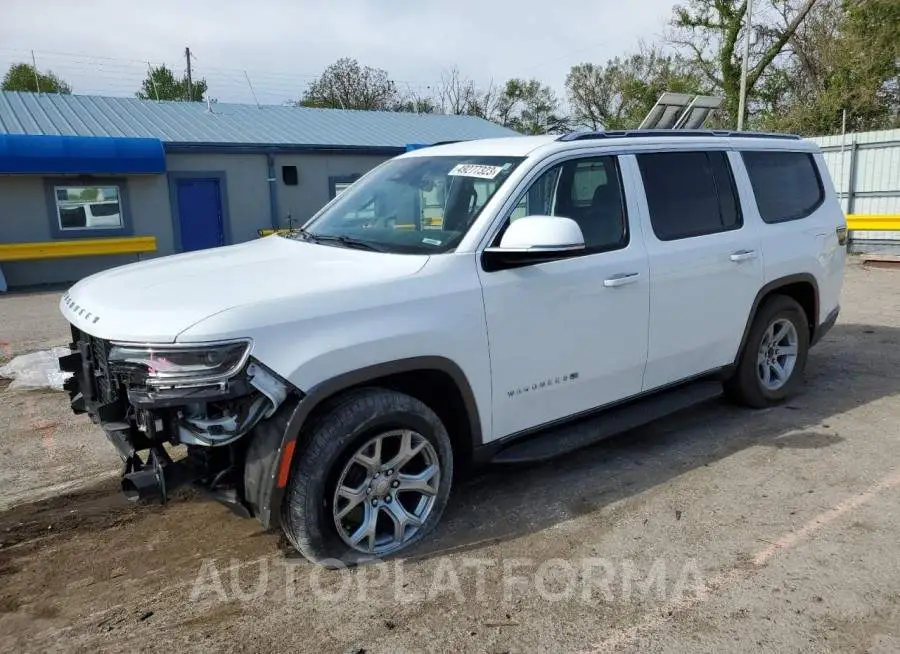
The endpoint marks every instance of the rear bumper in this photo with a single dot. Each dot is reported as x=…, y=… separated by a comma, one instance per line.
x=826, y=325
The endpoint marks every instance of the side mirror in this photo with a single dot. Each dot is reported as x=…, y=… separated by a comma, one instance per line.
x=534, y=239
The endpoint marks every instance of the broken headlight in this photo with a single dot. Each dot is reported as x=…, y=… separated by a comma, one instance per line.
x=172, y=365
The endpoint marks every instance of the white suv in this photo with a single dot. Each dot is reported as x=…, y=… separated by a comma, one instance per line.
x=488, y=301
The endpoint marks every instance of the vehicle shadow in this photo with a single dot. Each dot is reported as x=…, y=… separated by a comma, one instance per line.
x=852, y=366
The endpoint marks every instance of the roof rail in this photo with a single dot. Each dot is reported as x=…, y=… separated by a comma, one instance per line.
x=629, y=133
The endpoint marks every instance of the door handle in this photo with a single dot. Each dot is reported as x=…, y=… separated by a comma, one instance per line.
x=742, y=255
x=621, y=279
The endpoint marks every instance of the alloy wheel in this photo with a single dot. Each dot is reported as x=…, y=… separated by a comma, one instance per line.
x=777, y=355
x=386, y=491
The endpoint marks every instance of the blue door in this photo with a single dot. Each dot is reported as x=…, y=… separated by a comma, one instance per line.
x=200, y=214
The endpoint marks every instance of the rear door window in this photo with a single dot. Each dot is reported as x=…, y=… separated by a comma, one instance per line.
x=689, y=193
x=787, y=185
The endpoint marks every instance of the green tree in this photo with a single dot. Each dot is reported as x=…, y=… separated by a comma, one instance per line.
x=161, y=84
x=846, y=57
x=529, y=107
x=620, y=94
x=710, y=33
x=23, y=77
x=346, y=84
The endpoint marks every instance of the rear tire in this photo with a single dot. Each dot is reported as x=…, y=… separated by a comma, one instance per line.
x=356, y=460
x=770, y=367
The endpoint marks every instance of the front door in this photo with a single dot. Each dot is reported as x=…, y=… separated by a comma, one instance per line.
x=200, y=213
x=705, y=263
x=563, y=339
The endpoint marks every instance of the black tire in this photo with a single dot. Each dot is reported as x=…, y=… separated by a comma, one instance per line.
x=745, y=386
x=332, y=438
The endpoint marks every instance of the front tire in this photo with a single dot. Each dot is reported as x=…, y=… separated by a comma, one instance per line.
x=770, y=368
x=372, y=479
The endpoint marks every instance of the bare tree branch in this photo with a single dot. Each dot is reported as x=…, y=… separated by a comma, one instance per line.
x=776, y=47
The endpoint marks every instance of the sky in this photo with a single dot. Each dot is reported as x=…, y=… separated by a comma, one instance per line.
x=103, y=46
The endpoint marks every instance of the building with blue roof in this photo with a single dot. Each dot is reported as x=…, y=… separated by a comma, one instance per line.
x=190, y=174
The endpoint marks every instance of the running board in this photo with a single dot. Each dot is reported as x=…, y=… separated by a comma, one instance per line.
x=587, y=431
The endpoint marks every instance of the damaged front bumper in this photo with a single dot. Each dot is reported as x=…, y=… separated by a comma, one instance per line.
x=142, y=411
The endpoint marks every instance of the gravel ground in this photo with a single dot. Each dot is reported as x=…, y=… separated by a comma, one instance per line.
x=45, y=448
x=29, y=322
x=717, y=529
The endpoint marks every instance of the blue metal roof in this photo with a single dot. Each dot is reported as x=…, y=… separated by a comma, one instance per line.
x=192, y=123
x=84, y=155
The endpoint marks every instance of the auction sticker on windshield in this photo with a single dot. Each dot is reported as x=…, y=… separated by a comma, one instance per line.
x=480, y=171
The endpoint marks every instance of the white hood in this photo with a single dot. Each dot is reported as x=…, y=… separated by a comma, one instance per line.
x=154, y=301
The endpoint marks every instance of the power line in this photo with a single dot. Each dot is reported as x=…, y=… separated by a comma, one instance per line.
x=108, y=75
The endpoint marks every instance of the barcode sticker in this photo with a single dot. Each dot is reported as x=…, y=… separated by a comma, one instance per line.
x=481, y=171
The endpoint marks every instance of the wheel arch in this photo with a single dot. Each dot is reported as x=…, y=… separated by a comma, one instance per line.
x=801, y=287
x=437, y=381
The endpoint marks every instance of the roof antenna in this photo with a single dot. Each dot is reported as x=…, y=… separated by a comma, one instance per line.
x=152, y=81
x=37, y=78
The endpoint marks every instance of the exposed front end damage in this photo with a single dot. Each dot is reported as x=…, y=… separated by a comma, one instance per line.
x=206, y=397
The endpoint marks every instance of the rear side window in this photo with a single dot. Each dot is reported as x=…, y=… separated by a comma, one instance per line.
x=689, y=193
x=787, y=185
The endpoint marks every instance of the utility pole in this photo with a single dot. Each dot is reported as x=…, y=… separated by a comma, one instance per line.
x=190, y=84
x=742, y=101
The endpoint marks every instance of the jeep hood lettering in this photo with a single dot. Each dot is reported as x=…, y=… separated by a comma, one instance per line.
x=155, y=300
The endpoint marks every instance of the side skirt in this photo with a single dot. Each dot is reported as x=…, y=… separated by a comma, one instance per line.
x=578, y=432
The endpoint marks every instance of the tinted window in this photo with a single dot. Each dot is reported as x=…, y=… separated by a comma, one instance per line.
x=786, y=184
x=105, y=209
x=72, y=217
x=689, y=193
x=589, y=191
x=289, y=175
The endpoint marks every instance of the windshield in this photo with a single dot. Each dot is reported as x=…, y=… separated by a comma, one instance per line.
x=418, y=205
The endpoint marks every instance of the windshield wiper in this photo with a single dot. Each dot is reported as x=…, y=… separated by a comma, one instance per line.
x=346, y=241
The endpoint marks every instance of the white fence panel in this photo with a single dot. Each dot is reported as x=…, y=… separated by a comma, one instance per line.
x=865, y=168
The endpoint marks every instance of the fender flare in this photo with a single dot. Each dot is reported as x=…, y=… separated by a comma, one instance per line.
x=269, y=513
x=771, y=287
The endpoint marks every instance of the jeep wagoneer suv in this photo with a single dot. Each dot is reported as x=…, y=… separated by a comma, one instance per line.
x=559, y=290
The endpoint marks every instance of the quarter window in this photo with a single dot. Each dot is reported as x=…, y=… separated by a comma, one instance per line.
x=88, y=207
x=689, y=193
x=589, y=191
x=787, y=185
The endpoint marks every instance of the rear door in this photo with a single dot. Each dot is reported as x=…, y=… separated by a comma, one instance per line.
x=705, y=263
x=801, y=220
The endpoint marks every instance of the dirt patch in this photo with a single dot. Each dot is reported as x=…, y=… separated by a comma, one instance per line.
x=88, y=509
x=9, y=604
